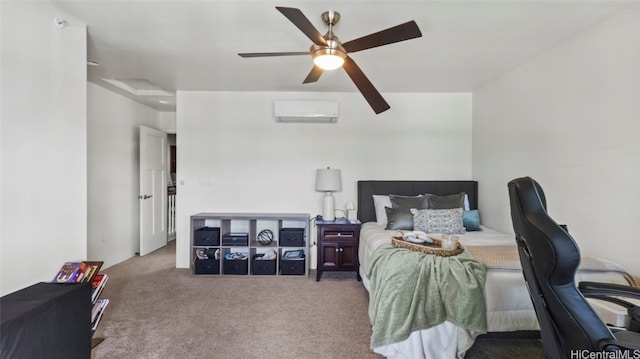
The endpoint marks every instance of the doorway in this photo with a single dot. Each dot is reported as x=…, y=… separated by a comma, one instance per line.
x=171, y=187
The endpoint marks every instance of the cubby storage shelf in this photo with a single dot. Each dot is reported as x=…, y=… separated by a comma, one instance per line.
x=233, y=243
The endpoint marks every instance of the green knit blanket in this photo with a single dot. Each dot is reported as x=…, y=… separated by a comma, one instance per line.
x=410, y=291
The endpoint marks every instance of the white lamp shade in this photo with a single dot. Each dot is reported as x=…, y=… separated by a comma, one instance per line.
x=328, y=180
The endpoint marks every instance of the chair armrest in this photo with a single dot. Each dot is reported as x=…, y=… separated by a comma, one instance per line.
x=596, y=290
x=611, y=293
x=625, y=340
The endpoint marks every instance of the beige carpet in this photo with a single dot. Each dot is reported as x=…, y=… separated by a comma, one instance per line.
x=158, y=311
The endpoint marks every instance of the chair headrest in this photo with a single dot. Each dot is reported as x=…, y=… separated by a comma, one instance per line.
x=529, y=194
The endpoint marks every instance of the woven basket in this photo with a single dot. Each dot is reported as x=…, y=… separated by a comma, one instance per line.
x=435, y=248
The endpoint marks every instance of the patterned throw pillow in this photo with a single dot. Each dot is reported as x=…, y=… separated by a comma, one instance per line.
x=438, y=220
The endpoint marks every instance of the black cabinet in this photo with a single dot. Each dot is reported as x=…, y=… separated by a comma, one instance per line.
x=46, y=320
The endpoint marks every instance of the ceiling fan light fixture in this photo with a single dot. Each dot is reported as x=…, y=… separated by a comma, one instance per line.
x=328, y=59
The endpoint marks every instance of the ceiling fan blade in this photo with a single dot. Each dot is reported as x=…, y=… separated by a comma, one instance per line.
x=297, y=18
x=266, y=54
x=408, y=30
x=314, y=75
x=373, y=97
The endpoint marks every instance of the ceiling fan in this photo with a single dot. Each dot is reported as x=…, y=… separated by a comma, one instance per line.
x=329, y=53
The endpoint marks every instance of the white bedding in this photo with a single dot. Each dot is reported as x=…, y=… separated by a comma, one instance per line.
x=508, y=304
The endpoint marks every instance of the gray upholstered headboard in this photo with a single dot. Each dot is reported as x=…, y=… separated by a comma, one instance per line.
x=366, y=189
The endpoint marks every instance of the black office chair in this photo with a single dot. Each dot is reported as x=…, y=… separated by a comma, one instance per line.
x=549, y=258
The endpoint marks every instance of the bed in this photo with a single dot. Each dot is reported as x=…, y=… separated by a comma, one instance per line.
x=506, y=299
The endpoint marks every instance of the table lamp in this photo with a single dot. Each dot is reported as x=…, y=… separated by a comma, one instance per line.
x=328, y=180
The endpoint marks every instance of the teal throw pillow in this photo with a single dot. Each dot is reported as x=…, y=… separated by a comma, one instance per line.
x=471, y=220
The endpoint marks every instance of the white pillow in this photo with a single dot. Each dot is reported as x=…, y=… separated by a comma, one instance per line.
x=379, y=203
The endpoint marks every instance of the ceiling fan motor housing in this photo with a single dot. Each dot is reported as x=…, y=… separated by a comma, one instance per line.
x=330, y=17
x=334, y=47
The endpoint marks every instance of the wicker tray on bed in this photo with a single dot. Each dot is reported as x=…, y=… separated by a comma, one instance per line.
x=435, y=248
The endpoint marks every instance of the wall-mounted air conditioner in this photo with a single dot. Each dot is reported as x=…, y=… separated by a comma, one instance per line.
x=306, y=111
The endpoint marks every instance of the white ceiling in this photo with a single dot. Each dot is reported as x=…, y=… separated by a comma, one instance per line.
x=193, y=44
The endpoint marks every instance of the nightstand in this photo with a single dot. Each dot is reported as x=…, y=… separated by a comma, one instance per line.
x=337, y=246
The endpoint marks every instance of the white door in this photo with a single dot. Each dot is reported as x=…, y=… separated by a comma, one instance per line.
x=153, y=189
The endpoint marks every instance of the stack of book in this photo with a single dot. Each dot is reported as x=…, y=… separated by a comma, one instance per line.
x=86, y=272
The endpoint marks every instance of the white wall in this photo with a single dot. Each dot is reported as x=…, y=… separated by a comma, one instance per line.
x=234, y=157
x=570, y=119
x=113, y=174
x=43, y=143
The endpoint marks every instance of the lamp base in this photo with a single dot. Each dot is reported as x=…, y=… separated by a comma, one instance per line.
x=328, y=207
